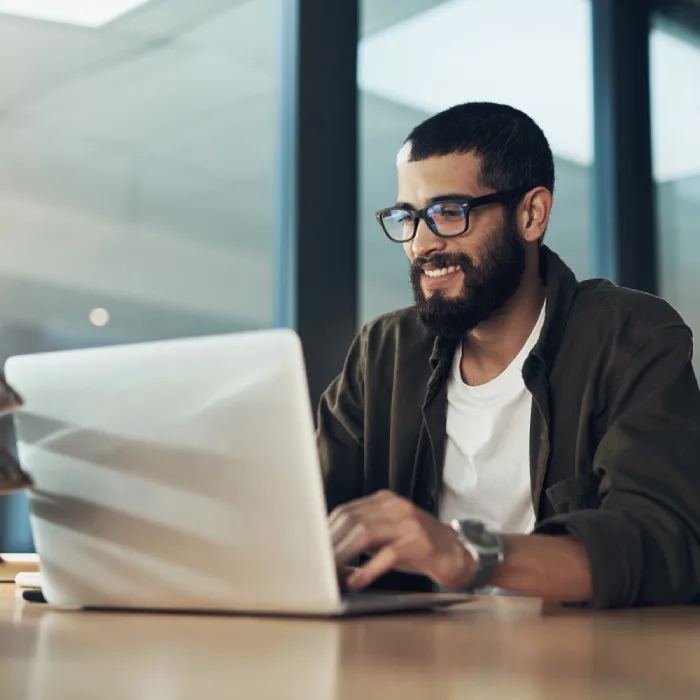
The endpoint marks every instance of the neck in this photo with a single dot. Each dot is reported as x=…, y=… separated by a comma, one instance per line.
x=490, y=348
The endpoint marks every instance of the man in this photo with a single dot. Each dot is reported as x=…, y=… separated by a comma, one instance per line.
x=511, y=399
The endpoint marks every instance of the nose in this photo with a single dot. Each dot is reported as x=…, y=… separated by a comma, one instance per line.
x=426, y=242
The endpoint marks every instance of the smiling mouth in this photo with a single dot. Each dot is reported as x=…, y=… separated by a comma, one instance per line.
x=441, y=272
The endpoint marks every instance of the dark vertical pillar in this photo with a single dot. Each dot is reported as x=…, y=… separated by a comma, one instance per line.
x=317, y=274
x=626, y=245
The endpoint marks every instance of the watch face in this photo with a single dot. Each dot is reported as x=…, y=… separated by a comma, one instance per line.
x=479, y=535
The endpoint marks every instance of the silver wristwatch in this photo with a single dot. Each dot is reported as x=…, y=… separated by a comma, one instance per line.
x=485, y=547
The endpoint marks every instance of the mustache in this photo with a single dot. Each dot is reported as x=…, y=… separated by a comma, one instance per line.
x=443, y=260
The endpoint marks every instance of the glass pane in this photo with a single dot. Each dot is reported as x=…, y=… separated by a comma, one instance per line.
x=136, y=176
x=675, y=96
x=419, y=57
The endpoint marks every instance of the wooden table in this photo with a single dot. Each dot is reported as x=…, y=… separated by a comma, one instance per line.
x=494, y=648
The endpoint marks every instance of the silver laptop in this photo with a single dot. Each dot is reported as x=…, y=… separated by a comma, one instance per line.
x=182, y=475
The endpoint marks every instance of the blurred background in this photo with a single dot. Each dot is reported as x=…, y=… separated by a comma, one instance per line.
x=171, y=168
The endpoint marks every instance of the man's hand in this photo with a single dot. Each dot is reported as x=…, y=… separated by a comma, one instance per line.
x=400, y=536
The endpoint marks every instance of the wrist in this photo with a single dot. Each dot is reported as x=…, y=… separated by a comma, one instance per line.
x=462, y=566
x=485, y=548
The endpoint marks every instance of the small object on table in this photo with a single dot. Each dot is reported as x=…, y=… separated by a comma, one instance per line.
x=28, y=579
x=13, y=564
x=33, y=595
x=29, y=584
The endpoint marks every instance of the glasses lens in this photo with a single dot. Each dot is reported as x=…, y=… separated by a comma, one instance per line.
x=398, y=223
x=447, y=218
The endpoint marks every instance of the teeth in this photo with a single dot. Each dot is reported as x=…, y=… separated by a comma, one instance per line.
x=442, y=271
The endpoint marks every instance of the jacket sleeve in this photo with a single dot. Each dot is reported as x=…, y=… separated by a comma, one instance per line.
x=644, y=540
x=340, y=434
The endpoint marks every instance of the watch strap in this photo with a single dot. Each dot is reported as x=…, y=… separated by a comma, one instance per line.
x=487, y=560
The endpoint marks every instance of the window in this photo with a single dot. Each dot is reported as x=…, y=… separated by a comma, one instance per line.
x=136, y=175
x=417, y=58
x=675, y=107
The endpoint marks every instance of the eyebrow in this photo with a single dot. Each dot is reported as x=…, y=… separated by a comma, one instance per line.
x=435, y=200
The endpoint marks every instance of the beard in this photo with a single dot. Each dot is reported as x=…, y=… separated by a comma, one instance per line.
x=486, y=289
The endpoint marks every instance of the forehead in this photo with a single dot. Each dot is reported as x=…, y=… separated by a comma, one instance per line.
x=421, y=180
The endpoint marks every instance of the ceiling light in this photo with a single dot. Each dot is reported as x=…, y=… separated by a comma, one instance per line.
x=99, y=317
x=84, y=13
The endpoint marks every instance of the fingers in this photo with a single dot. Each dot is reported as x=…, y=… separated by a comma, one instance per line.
x=344, y=573
x=376, y=523
x=381, y=563
x=362, y=536
x=386, y=501
x=363, y=523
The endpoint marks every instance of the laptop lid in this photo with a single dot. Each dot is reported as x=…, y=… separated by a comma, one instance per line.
x=180, y=474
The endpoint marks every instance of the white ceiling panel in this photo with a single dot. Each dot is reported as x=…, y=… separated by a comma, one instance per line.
x=379, y=14
x=227, y=144
x=150, y=93
x=64, y=170
x=39, y=56
x=169, y=18
x=75, y=12
x=249, y=30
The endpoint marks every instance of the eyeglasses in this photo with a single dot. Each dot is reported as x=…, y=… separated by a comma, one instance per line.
x=447, y=219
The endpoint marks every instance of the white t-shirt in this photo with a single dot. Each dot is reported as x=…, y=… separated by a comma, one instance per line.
x=487, y=457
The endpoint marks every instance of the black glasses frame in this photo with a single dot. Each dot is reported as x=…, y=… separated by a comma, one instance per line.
x=466, y=204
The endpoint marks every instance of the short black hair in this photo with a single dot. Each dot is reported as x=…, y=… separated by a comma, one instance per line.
x=514, y=151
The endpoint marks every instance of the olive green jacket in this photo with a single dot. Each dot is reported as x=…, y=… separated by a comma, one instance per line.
x=614, y=435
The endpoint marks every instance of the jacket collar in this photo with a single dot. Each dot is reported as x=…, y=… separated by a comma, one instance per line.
x=561, y=290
